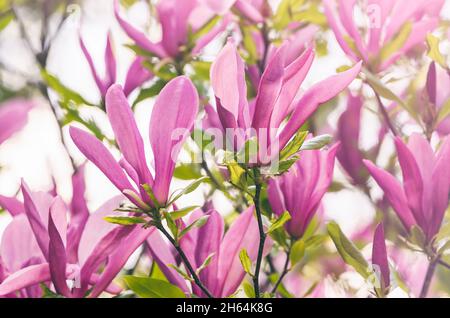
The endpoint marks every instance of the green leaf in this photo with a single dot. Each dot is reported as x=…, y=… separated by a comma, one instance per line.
x=317, y=142
x=433, y=51
x=280, y=237
x=171, y=225
x=246, y=261
x=293, y=146
x=385, y=92
x=187, y=171
x=249, y=151
x=189, y=189
x=349, y=253
x=297, y=252
x=444, y=112
x=178, y=214
x=248, y=289
x=65, y=93
x=279, y=222
x=204, y=29
x=201, y=69
x=181, y=272
x=5, y=19
x=417, y=236
x=205, y=263
x=146, y=287
x=397, y=42
x=197, y=223
x=150, y=92
x=125, y=220
x=249, y=44
x=150, y=193
x=237, y=175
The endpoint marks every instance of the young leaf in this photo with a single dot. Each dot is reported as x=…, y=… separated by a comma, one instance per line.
x=146, y=287
x=197, y=223
x=181, y=272
x=349, y=253
x=187, y=171
x=397, y=43
x=279, y=222
x=249, y=151
x=317, y=142
x=206, y=262
x=293, y=146
x=178, y=214
x=248, y=289
x=246, y=261
x=297, y=252
x=125, y=220
x=190, y=188
x=433, y=51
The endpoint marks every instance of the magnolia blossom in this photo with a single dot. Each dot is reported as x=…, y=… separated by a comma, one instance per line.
x=350, y=155
x=41, y=246
x=13, y=116
x=423, y=198
x=276, y=99
x=384, y=22
x=137, y=74
x=380, y=259
x=174, y=112
x=224, y=273
x=300, y=190
x=178, y=19
x=437, y=96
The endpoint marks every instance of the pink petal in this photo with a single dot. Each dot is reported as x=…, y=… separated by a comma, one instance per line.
x=136, y=76
x=137, y=36
x=314, y=97
x=171, y=122
x=96, y=152
x=127, y=133
x=379, y=255
x=393, y=192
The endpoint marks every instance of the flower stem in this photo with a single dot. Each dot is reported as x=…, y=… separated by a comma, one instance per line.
x=284, y=272
x=384, y=113
x=442, y=263
x=262, y=234
x=428, y=277
x=185, y=260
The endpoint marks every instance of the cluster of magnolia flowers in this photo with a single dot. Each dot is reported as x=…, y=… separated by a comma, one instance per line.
x=249, y=111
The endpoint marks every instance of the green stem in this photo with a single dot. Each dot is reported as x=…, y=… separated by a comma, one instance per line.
x=284, y=272
x=262, y=234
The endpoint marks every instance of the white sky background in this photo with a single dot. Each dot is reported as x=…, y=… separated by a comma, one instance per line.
x=35, y=153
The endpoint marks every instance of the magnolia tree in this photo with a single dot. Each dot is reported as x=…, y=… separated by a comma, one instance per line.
x=245, y=103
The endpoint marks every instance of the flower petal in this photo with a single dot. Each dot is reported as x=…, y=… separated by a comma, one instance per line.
x=170, y=124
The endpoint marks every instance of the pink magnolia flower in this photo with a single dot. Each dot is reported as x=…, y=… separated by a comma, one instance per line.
x=380, y=259
x=275, y=101
x=137, y=74
x=300, y=190
x=13, y=116
x=437, y=95
x=40, y=246
x=170, y=124
x=299, y=42
x=253, y=10
x=178, y=19
x=224, y=273
x=423, y=198
x=350, y=155
x=385, y=20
